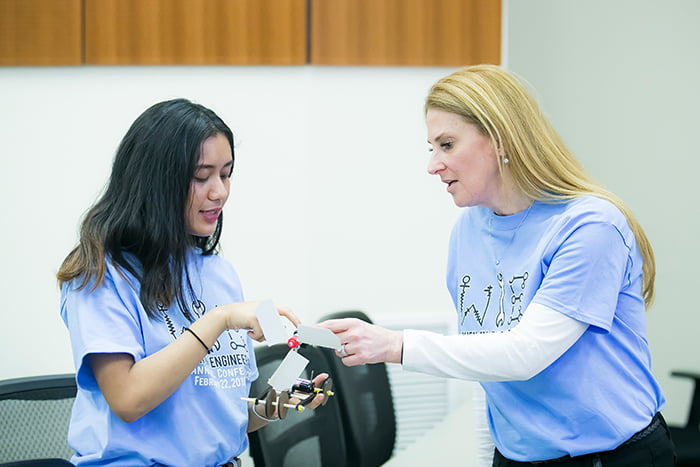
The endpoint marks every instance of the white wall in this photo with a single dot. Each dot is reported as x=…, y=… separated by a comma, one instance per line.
x=331, y=206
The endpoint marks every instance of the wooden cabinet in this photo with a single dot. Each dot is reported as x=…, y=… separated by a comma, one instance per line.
x=40, y=32
x=405, y=32
x=195, y=32
x=250, y=32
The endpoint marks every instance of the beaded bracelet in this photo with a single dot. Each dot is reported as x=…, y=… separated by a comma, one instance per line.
x=197, y=337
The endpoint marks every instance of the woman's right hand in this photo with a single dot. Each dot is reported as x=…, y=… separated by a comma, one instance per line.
x=363, y=342
x=241, y=315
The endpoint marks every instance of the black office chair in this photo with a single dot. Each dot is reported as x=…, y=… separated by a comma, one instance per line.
x=366, y=403
x=35, y=413
x=312, y=438
x=687, y=438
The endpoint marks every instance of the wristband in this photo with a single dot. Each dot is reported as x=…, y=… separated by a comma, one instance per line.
x=197, y=337
x=268, y=420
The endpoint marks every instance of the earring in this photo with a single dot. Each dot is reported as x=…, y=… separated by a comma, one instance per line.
x=502, y=155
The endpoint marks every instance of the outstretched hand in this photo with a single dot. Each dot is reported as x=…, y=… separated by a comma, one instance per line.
x=364, y=342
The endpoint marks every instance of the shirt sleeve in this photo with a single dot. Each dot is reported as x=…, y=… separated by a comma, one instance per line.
x=518, y=354
x=101, y=321
x=587, y=273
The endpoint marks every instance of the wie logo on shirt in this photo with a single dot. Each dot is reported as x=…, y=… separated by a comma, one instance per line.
x=509, y=302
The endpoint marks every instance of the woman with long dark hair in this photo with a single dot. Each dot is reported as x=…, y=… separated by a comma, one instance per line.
x=161, y=335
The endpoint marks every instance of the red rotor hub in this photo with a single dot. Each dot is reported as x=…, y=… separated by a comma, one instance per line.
x=293, y=342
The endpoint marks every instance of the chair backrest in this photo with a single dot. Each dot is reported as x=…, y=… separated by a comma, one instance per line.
x=35, y=414
x=686, y=438
x=366, y=404
x=312, y=438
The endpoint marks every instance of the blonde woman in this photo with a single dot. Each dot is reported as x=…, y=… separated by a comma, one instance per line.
x=550, y=275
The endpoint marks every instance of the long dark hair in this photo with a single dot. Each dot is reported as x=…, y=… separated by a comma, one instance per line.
x=141, y=214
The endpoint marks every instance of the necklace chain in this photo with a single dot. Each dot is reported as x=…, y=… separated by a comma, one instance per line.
x=512, y=237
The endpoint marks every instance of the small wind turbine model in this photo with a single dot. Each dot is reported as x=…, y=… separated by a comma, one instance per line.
x=284, y=382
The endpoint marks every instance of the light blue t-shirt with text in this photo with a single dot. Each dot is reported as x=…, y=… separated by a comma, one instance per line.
x=204, y=422
x=579, y=258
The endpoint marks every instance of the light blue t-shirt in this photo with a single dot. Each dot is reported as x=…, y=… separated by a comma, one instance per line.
x=581, y=259
x=204, y=422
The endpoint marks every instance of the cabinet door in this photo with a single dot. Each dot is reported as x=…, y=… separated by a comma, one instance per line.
x=40, y=32
x=195, y=32
x=405, y=32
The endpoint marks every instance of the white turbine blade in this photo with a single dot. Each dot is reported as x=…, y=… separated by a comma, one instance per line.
x=321, y=337
x=270, y=323
x=289, y=370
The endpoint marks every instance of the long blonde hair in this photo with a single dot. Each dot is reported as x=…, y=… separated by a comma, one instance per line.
x=541, y=165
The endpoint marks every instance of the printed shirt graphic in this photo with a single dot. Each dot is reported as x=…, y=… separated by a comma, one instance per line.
x=579, y=258
x=204, y=421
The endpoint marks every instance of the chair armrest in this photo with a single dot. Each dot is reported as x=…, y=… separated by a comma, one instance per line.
x=694, y=412
x=687, y=374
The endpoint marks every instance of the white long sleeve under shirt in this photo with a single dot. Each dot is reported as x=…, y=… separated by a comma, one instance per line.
x=518, y=354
